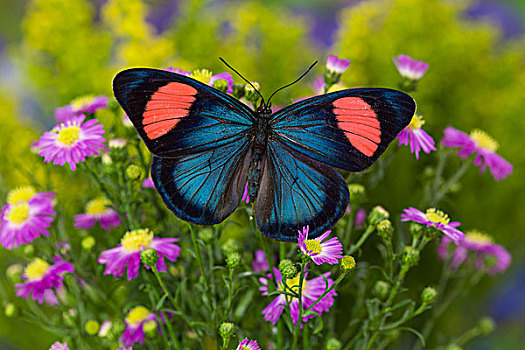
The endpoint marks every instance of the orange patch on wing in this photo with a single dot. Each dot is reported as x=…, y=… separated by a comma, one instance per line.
x=359, y=122
x=166, y=107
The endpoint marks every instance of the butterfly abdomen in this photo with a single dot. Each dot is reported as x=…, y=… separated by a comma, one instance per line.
x=259, y=144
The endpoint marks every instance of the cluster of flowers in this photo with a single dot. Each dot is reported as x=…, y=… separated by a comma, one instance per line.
x=29, y=214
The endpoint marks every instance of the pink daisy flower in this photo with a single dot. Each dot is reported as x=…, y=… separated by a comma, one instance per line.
x=59, y=346
x=483, y=248
x=259, y=263
x=127, y=253
x=311, y=291
x=329, y=251
x=138, y=318
x=245, y=196
x=319, y=86
x=148, y=183
x=26, y=216
x=42, y=277
x=483, y=145
x=434, y=218
x=410, y=68
x=414, y=135
x=337, y=65
x=72, y=141
x=360, y=218
x=97, y=211
x=247, y=344
x=80, y=106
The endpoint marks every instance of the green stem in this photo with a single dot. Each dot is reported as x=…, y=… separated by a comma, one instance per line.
x=296, y=330
x=361, y=240
x=198, y=255
x=443, y=190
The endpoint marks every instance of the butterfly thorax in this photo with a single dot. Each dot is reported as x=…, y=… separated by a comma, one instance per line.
x=259, y=141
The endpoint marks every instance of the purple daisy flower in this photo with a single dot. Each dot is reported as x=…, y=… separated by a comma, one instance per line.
x=482, y=246
x=97, y=210
x=127, y=253
x=178, y=71
x=311, y=291
x=248, y=344
x=59, y=346
x=328, y=252
x=41, y=277
x=135, y=321
x=337, y=65
x=410, y=68
x=72, y=141
x=319, y=86
x=259, y=263
x=245, y=197
x=148, y=183
x=26, y=216
x=483, y=145
x=434, y=218
x=80, y=106
x=360, y=218
x=414, y=135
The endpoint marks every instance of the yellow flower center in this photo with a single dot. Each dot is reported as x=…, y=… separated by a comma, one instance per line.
x=68, y=135
x=137, y=315
x=336, y=87
x=313, y=245
x=478, y=237
x=97, y=206
x=417, y=122
x=483, y=140
x=293, y=284
x=20, y=194
x=18, y=213
x=81, y=101
x=437, y=216
x=36, y=270
x=135, y=240
x=202, y=75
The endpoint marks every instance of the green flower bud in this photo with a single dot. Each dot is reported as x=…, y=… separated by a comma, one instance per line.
x=377, y=215
x=115, y=144
x=116, y=330
x=149, y=257
x=410, y=256
x=226, y=330
x=14, y=272
x=381, y=289
x=331, y=77
x=221, y=85
x=10, y=310
x=287, y=268
x=347, y=263
x=150, y=328
x=206, y=234
x=251, y=94
x=29, y=250
x=486, y=325
x=133, y=172
x=233, y=259
x=428, y=295
x=230, y=246
x=238, y=90
x=385, y=229
x=92, y=327
x=357, y=192
x=333, y=344
x=417, y=229
x=88, y=243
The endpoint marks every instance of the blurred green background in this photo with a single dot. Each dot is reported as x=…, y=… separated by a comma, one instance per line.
x=52, y=51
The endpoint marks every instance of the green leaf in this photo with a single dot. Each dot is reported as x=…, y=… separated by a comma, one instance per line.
x=161, y=302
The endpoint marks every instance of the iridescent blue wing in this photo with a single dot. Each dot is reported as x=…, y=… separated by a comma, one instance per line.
x=198, y=136
x=347, y=129
x=295, y=191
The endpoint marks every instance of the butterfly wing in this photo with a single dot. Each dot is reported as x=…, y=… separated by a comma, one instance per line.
x=198, y=136
x=347, y=129
x=296, y=190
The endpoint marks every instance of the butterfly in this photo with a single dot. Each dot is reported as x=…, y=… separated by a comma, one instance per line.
x=208, y=147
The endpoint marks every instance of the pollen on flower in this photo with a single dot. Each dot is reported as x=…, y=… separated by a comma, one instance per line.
x=202, y=75
x=478, y=237
x=20, y=194
x=417, y=122
x=97, y=206
x=81, y=101
x=136, y=240
x=18, y=213
x=437, y=216
x=314, y=246
x=483, y=140
x=69, y=135
x=36, y=270
x=137, y=315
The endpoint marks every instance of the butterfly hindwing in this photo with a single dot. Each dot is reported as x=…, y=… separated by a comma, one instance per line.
x=347, y=129
x=296, y=191
x=176, y=115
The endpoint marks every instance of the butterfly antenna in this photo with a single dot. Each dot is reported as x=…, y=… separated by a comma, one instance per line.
x=276, y=91
x=239, y=74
